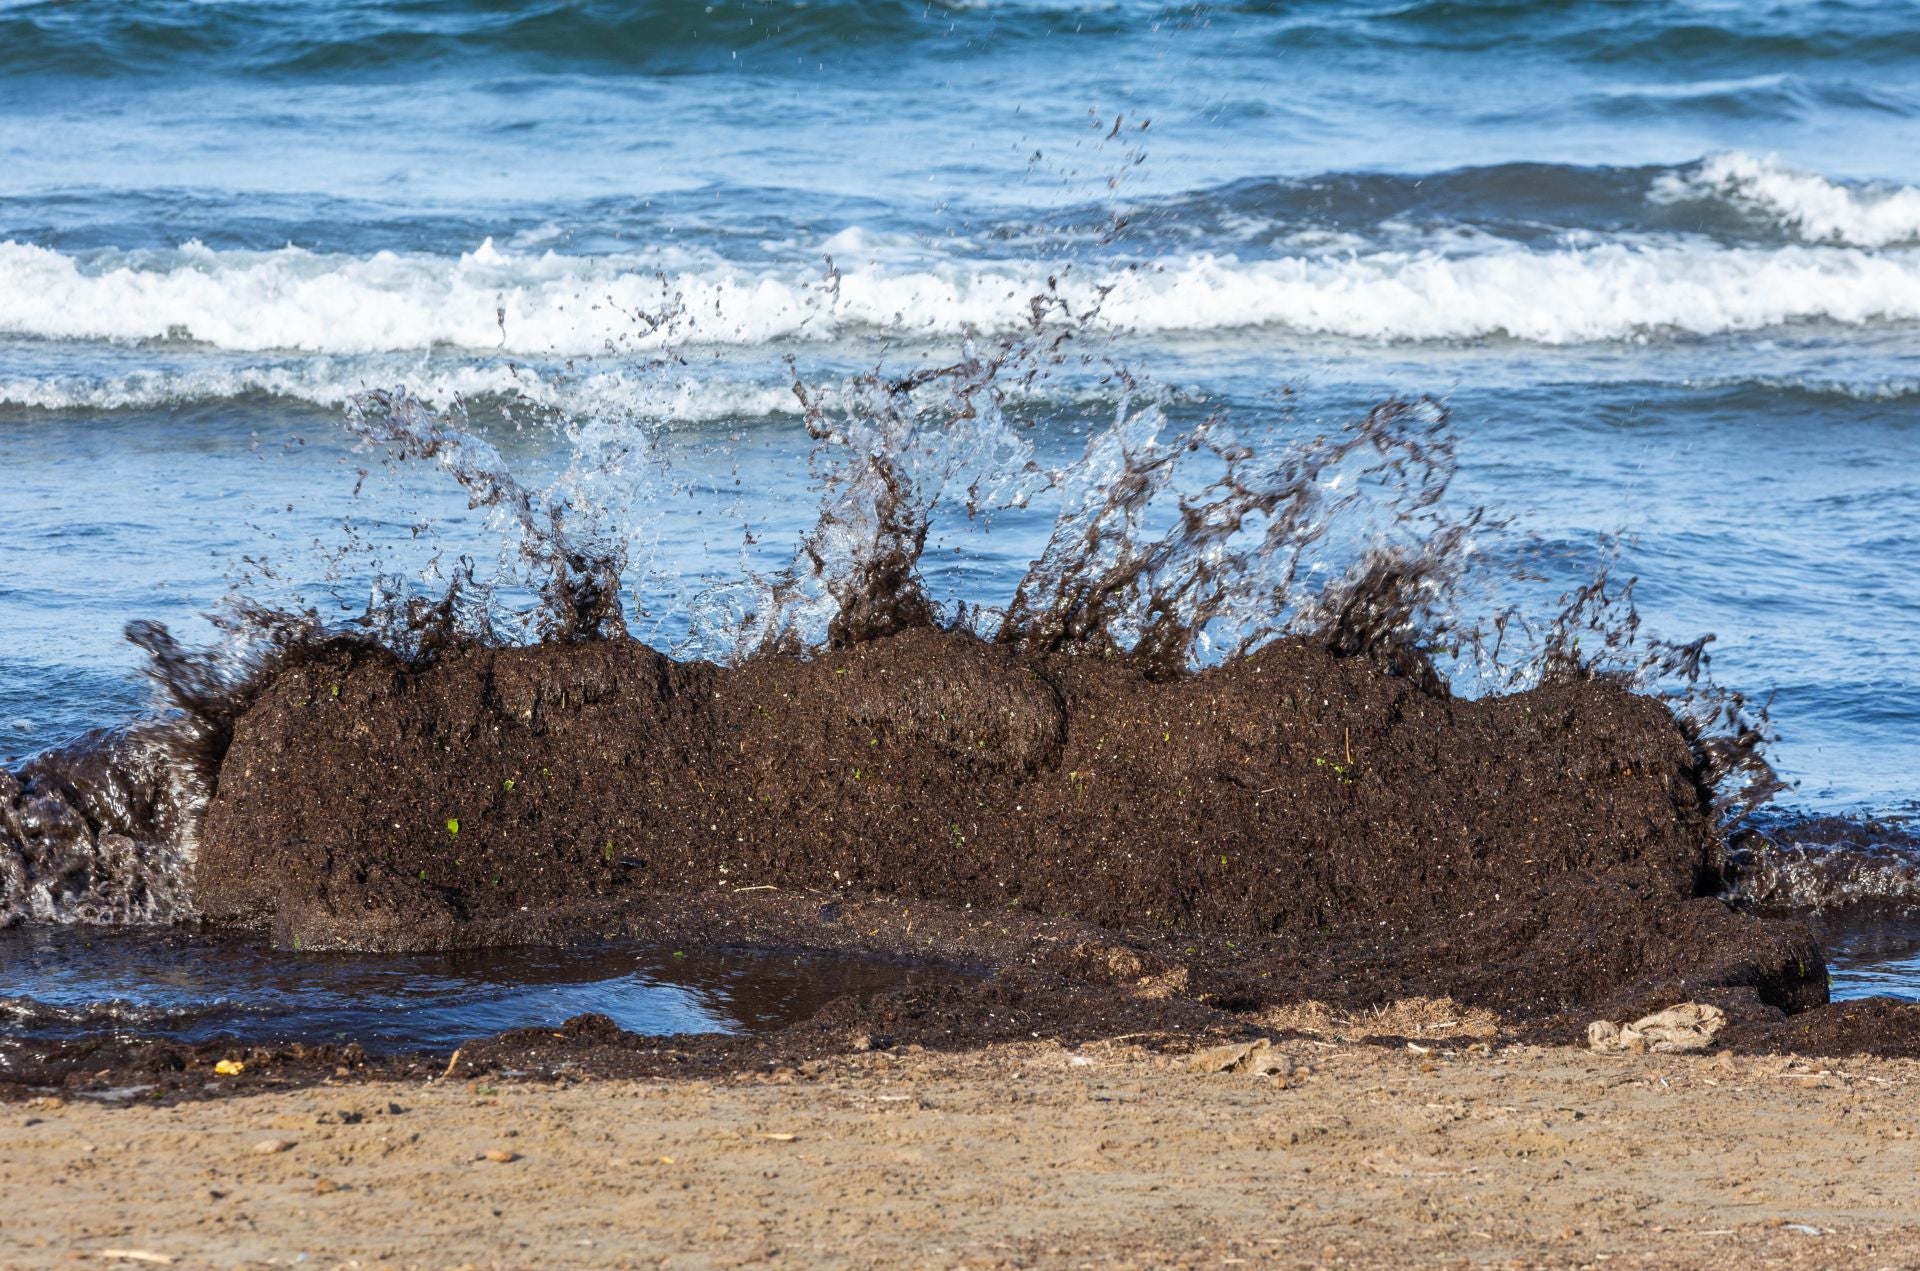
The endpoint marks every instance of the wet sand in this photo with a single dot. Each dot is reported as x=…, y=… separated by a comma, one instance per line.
x=1013, y=1155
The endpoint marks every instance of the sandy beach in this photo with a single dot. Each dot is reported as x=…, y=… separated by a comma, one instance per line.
x=1017, y=1155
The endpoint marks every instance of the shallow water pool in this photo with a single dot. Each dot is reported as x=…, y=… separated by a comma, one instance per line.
x=1872, y=955
x=66, y=982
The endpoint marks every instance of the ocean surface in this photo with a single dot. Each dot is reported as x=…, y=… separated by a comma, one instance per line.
x=1661, y=261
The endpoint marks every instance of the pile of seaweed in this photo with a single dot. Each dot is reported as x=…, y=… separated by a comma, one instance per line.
x=1536, y=851
x=1165, y=771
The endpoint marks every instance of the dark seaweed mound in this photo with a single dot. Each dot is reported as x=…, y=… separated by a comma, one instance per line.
x=1334, y=819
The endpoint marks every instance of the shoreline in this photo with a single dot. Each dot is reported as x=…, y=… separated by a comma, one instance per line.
x=1017, y=1154
x=990, y=979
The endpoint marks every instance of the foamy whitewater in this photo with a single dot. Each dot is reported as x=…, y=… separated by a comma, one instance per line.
x=1663, y=266
x=563, y=306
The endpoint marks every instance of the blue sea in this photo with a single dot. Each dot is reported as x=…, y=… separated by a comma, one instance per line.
x=1660, y=261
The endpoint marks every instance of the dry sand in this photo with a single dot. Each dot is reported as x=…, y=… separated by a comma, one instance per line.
x=1011, y=1156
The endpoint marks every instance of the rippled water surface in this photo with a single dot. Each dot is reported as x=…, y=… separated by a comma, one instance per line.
x=1873, y=954
x=66, y=982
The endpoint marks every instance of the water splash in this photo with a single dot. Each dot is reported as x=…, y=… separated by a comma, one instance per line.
x=102, y=830
x=1596, y=631
x=1175, y=546
x=575, y=566
x=1220, y=577
x=887, y=459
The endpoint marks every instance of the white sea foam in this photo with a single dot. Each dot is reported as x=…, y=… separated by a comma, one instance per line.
x=547, y=304
x=1814, y=208
x=333, y=381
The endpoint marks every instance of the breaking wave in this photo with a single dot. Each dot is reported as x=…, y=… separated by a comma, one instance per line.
x=551, y=304
x=1812, y=207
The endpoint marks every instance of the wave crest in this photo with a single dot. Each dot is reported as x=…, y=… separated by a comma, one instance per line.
x=1812, y=207
x=568, y=305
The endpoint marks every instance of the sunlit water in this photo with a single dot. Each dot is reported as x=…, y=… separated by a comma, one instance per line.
x=1873, y=954
x=64, y=982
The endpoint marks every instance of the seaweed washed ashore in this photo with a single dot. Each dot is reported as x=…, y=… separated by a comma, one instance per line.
x=1547, y=856
x=1109, y=837
x=1288, y=793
